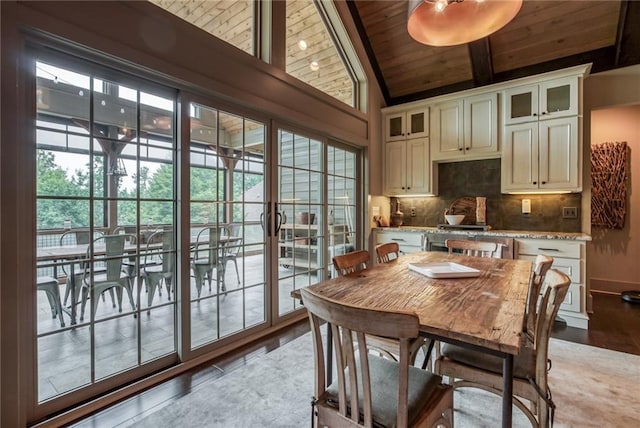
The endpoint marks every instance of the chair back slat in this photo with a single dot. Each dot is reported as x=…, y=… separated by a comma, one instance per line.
x=387, y=252
x=541, y=266
x=474, y=248
x=351, y=262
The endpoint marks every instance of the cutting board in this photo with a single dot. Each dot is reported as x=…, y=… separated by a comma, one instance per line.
x=466, y=206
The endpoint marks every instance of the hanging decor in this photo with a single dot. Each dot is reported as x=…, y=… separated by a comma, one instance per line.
x=609, y=185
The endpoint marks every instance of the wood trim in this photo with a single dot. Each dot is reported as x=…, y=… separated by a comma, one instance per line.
x=612, y=286
x=371, y=56
x=627, y=48
x=481, y=63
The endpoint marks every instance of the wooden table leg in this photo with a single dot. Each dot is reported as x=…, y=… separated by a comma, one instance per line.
x=507, y=390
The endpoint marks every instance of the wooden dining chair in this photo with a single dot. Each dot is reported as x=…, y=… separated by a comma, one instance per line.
x=474, y=248
x=371, y=390
x=541, y=266
x=351, y=262
x=357, y=261
x=387, y=252
x=469, y=368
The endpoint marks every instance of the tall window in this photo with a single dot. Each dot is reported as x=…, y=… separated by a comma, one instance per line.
x=313, y=54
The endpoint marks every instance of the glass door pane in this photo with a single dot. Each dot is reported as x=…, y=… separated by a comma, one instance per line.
x=227, y=194
x=317, y=200
x=105, y=197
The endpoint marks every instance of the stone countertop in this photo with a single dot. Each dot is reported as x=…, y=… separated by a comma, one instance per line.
x=570, y=236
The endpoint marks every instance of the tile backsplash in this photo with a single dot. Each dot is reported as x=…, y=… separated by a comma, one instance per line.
x=482, y=178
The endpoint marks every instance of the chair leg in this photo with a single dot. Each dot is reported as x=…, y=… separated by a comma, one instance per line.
x=58, y=304
x=199, y=280
x=235, y=262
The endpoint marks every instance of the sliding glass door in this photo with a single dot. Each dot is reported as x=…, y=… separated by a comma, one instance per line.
x=227, y=194
x=316, y=207
x=136, y=273
x=106, y=210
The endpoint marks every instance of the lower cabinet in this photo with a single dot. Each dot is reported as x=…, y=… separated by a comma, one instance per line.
x=408, y=241
x=569, y=258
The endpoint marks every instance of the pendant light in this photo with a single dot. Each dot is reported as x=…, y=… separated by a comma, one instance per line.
x=454, y=22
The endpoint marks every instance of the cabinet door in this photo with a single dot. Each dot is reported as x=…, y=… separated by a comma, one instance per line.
x=418, y=171
x=395, y=167
x=520, y=158
x=481, y=125
x=395, y=128
x=417, y=123
x=559, y=162
x=521, y=104
x=446, y=135
x=559, y=98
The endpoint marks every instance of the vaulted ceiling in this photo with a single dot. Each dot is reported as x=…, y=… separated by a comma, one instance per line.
x=546, y=35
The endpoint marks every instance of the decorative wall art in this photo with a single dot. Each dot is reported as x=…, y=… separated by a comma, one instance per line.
x=609, y=185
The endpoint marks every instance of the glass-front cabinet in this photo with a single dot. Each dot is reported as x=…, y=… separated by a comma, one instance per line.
x=407, y=124
x=546, y=100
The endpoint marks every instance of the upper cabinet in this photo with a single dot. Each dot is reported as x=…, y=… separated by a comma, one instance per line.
x=546, y=100
x=541, y=157
x=406, y=168
x=465, y=128
x=407, y=124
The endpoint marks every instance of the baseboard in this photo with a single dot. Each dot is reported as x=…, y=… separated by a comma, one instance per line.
x=612, y=287
x=574, y=319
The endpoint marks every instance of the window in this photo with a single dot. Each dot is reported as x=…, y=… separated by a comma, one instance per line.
x=313, y=53
x=229, y=20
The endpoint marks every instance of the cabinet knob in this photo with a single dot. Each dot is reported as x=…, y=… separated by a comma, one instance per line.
x=460, y=149
x=535, y=114
x=467, y=148
x=543, y=182
x=408, y=188
x=535, y=182
x=402, y=187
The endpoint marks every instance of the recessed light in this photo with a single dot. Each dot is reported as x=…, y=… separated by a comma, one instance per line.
x=314, y=66
x=302, y=45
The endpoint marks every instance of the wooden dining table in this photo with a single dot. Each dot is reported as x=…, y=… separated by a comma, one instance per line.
x=77, y=253
x=485, y=312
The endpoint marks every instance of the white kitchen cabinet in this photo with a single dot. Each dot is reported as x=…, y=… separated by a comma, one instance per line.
x=407, y=124
x=407, y=169
x=466, y=128
x=542, y=156
x=569, y=257
x=408, y=241
x=548, y=99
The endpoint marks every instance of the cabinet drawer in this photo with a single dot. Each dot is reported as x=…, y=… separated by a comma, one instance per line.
x=549, y=247
x=570, y=267
x=573, y=298
x=402, y=238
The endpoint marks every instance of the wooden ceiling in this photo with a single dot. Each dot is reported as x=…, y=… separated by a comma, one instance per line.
x=546, y=35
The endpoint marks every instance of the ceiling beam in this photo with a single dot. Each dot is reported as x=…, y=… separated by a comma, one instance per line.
x=628, y=36
x=481, y=64
x=362, y=32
